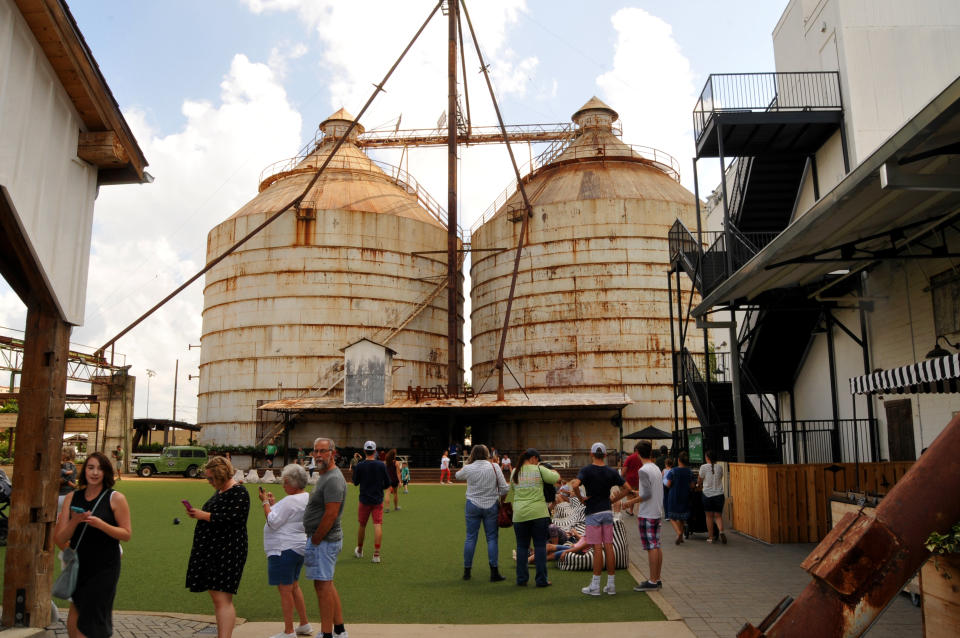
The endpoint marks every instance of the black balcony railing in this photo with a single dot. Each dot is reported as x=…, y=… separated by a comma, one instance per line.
x=709, y=268
x=743, y=247
x=800, y=91
x=812, y=441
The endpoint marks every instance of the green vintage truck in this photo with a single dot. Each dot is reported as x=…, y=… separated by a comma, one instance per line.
x=175, y=459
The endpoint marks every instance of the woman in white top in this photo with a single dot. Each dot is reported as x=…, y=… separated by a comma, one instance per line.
x=284, y=541
x=485, y=486
x=711, y=481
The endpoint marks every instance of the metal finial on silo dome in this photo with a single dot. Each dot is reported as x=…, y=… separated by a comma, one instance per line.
x=595, y=113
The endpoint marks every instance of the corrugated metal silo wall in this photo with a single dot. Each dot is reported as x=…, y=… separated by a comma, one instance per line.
x=276, y=312
x=591, y=307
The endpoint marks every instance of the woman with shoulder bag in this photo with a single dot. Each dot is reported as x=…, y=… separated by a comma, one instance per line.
x=94, y=532
x=530, y=515
x=485, y=485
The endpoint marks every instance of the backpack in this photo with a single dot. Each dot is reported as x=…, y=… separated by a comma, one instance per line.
x=549, y=491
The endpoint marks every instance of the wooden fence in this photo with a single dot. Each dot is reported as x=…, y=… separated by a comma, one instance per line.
x=789, y=503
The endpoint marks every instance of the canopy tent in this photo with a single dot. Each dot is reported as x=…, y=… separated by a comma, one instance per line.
x=649, y=432
x=936, y=375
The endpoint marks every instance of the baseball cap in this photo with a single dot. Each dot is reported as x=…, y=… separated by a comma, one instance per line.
x=598, y=447
x=532, y=452
x=370, y=446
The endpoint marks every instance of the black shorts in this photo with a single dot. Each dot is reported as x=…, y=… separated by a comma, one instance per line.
x=713, y=503
x=394, y=483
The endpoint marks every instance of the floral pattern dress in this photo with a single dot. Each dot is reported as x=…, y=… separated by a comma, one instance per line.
x=220, y=546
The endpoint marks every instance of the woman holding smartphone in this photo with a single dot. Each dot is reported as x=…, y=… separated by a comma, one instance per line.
x=94, y=519
x=219, y=549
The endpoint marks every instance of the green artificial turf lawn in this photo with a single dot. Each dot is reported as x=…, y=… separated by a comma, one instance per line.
x=419, y=580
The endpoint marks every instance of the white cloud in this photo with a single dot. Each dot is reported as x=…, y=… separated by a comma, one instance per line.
x=149, y=239
x=651, y=86
x=280, y=55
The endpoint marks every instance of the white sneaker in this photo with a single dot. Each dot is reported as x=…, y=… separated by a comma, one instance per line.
x=376, y=558
x=304, y=630
x=343, y=635
x=283, y=635
x=357, y=552
x=610, y=589
x=591, y=590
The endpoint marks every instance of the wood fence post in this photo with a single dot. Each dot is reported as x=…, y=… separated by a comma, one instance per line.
x=28, y=572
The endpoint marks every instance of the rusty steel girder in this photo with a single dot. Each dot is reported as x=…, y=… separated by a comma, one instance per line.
x=865, y=561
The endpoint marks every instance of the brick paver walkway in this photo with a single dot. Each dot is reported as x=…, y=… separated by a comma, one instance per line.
x=717, y=588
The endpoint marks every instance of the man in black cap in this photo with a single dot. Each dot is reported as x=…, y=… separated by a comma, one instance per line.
x=599, y=479
x=370, y=475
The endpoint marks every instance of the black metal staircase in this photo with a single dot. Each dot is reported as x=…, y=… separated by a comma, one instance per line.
x=713, y=403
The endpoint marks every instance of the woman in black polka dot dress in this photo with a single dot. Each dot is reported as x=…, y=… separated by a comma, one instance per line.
x=220, y=543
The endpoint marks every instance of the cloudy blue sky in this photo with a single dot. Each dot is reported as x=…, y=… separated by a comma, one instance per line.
x=215, y=90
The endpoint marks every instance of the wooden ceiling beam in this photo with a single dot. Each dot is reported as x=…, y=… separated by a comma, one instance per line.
x=67, y=52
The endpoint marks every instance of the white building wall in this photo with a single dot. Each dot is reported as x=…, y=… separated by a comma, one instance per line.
x=893, y=58
x=51, y=190
x=902, y=332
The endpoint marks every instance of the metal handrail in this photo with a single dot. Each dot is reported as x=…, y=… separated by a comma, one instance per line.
x=771, y=91
x=658, y=159
x=366, y=164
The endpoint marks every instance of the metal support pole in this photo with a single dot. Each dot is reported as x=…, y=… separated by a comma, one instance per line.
x=683, y=347
x=453, y=279
x=835, y=408
x=793, y=427
x=735, y=384
x=865, y=349
x=673, y=356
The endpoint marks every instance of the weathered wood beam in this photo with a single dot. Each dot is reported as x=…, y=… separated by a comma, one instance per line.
x=103, y=149
x=28, y=572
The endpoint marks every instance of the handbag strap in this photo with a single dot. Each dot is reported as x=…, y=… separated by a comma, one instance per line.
x=92, y=510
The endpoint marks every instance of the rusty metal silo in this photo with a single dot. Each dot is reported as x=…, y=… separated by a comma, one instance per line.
x=362, y=258
x=591, y=308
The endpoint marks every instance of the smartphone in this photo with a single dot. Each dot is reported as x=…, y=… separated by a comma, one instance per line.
x=187, y=504
x=78, y=510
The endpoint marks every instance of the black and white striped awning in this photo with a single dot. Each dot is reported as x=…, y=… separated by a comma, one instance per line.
x=937, y=375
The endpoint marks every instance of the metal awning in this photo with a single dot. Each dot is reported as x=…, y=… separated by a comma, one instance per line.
x=937, y=375
x=481, y=403
x=892, y=205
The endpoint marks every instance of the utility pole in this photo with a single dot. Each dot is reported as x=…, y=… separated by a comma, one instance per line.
x=176, y=373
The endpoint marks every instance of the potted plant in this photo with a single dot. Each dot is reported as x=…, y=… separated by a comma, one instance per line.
x=940, y=584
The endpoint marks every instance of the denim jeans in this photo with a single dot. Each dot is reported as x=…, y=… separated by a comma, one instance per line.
x=474, y=516
x=537, y=531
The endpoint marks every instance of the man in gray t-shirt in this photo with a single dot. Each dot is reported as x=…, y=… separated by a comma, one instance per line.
x=321, y=521
x=331, y=488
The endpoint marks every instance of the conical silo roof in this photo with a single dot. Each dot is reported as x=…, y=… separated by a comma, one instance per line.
x=361, y=183
x=597, y=164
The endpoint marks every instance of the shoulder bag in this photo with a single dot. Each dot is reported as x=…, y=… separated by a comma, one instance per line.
x=504, y=509
x=66, y=582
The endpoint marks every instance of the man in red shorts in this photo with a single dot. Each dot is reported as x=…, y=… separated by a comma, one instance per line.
x=370, y=475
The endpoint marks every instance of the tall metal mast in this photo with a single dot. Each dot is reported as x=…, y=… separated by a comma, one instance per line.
x=453, y=278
